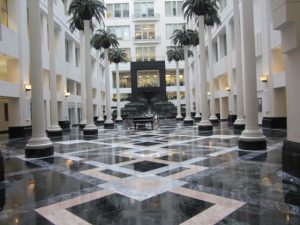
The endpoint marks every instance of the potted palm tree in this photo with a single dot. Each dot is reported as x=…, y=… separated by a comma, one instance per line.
x=176, y=53
x=117, y=56
x=86, y=10
x=104, y=39
x=210, y=20
x=184, y=38
x=198, y=9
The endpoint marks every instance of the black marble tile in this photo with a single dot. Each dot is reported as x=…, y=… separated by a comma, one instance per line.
x=30, y=188
x=24, y=218
x=164, y=209
x=172, y=171
x=146, y=152
x=115, y=173
x=147, y=143
x=145, y=166
x=179, y=157
x=251, y=215
x=14, y=165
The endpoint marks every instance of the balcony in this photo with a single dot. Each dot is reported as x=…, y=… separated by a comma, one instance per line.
x=156, y=39
x=145, y=17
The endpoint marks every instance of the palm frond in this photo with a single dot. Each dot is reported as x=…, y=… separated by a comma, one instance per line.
x=117, y=55
x=197, y=8
x=176, y=53
x=104, y=39
x=87, y=9
x=183, y=37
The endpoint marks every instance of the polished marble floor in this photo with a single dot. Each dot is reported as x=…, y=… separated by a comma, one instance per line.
x=172, y=175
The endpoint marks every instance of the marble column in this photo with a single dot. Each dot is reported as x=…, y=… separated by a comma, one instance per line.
x=252, y=137
x=119, y=118
x=108, y=122
x=54, y=129
x=100, y=119
x=239, y=123
x=83, y=121
x=289, y=25
x=213, y=118
x=205, y=124
x=231, y=111
x=197, y=85
x=39, y=145
x=188, y=119
x=90, y=128
x=179, y=115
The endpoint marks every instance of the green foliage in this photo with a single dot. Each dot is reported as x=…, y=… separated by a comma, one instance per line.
x=176, y=53
x=87, y=9
x=183, y=37
x=117, y=55
x=104, y=39
x=199, y=8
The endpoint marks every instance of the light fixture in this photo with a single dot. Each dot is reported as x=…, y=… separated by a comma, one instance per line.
x=263, y=77
x=227, y=88
x=27, y=87
x=208, y=93
x=67, y=94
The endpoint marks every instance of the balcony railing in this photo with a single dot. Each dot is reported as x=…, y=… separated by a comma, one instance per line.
x=156, y=39
x=145, y=17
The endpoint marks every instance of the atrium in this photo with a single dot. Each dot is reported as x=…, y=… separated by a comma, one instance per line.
x=141, y=112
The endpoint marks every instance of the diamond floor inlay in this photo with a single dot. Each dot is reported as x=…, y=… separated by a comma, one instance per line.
x=169, y=176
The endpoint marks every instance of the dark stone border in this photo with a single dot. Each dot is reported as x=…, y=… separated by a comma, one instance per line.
x=179, y=119
x=291, y=158
x=274, y=122
x=90, y=132
x=253, y=145
x=119, y=121
x=19, y=132
x=215, y=121
x=39, y=152
x=65, y=124
x=82, y=126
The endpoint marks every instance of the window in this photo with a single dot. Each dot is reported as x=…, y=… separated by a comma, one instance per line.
x=144, y=31
x=4, y=13
x=117, y=10
x=171, y=78
x=145, y=54
x=144, y=9
x=67, y=50
x=171, y=27
x=173, y=8
x=122, y=32
x=125, y=80
x=147, y=78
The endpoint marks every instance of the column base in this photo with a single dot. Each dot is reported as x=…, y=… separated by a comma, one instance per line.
x=214, y=121
x=197, y=118
x=239, y=127
x=39, y=147
x=65, y=124
x=90, y=131
x=179, y=118
x=274, y=122
x=188, y=122
x=253, y=144
x=99, y=122
x=232, y=118
x=19, y=132
x=205, y=127
x=119, y=120
x=291, y=158
x=109, y=125
x=54, y=133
